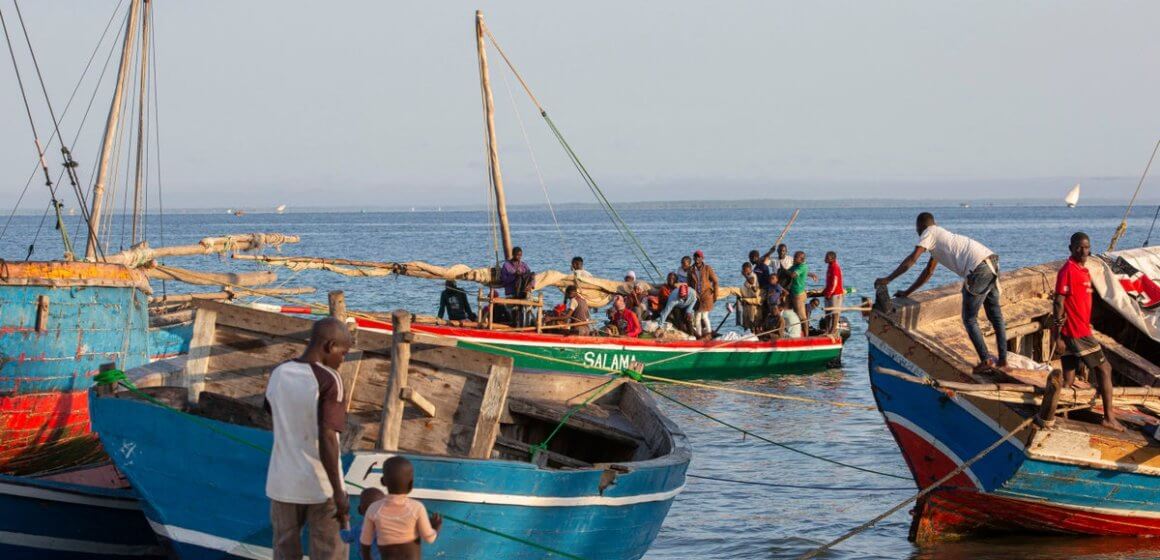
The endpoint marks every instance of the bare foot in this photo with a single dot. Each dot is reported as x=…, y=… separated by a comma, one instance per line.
x=1112, y=424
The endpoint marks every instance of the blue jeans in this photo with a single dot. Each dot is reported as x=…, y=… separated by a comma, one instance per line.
x=982, y=291
x=675, y=301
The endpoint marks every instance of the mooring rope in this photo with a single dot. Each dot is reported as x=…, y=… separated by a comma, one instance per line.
x=933, y=486
x=801, y=486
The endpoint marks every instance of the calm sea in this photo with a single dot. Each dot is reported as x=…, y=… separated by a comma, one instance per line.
x=710, y=519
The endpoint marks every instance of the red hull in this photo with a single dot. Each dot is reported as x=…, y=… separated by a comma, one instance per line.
x=55, y=425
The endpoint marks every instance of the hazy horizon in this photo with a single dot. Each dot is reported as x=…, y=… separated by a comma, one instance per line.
x=369, y=105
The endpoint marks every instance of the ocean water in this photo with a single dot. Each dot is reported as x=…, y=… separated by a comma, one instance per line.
x=710, y=519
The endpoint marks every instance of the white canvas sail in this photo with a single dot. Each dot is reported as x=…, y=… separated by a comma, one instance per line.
x=1072, y=197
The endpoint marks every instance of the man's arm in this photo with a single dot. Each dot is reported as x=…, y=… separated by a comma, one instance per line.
x=1056, y=322
x=923, y=276
x=442, y=305
x=328, y=453
x=902, y=267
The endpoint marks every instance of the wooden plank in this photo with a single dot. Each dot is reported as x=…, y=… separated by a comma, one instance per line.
x=526, y=449
x=392, y=420
x=349, y=371
x=337, y=301
x=490, y=410
x=41, y=313
x=200, y=346
x=412, y=396
x=610, y=425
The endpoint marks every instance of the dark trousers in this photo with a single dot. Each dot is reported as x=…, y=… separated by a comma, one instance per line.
x=982, y=291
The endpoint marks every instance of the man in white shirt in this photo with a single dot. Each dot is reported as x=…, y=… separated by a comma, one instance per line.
x=974, y=263
x=304, y=481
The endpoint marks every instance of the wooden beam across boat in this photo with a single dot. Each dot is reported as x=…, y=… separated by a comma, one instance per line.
x=201, y=278
x=142, y=254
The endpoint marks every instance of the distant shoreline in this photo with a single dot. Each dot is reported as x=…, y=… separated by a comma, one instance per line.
x=676, y=205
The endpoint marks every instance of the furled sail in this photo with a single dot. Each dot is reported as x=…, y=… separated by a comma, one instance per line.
x=598, y=292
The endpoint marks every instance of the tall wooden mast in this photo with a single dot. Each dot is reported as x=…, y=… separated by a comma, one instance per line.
x=492, y=147
x=142, y=106
x=111, y=131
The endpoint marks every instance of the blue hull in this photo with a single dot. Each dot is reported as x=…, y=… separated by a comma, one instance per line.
x=1009, y=489
x=203, y=485
x=44, y=519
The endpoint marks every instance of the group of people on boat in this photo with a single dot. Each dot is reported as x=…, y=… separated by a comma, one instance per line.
x=773, y=301
x=1072, y=336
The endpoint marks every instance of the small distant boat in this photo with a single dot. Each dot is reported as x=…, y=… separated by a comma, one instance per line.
x=281, y=208
x=239, y=213
x=1072, y=197
x=964, y=205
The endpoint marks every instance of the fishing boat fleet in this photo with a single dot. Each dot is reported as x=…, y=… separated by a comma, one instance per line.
x=142, y=420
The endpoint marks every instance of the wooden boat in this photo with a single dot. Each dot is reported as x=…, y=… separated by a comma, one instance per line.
x=547, y=350
x=1070, y=475
x=601, y=489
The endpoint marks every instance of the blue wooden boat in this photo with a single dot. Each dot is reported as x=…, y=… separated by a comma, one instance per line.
x=601, y=489
x=1067, y=475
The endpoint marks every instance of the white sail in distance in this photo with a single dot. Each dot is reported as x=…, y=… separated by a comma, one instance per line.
x=1072, y=197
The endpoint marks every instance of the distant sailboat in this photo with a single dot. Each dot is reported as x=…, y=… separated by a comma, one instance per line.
x=281, y=208
x=1072, y=197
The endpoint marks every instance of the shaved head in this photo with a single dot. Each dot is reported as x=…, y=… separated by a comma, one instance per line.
x=398, y=475
x=329, y=343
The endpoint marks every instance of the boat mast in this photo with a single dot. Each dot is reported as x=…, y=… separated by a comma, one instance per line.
x=492, y=147
x=141, y=106
x=111, y=132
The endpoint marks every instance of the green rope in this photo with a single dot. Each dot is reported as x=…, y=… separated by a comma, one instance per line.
x=543, y=445
x=617, y=221
x=770, y=441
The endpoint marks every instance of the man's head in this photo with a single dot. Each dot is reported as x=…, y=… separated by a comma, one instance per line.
x=329, y=343
x=630, y=276
x=746, y=269
x=754, y=255
x=686, y=262
x=698, y=257
x=398, y=475
x=517, y=254
x=1080, y=246
x=782, y=251
x=368, y=497
x=450, y=284
x=570, y=292
x=577, y=263
x=814, y=303
x=671, y=280
x=799, y=257
x=618, y=303
x=924, y=220
x=831, y=256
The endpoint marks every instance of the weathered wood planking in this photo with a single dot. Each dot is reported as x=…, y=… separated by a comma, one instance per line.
x=491, y=409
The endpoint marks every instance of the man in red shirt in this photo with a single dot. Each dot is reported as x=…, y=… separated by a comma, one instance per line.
x=834, y=292
x=1072, y=325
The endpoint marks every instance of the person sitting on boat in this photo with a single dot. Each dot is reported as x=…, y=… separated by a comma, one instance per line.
x=304, y=483
x=682, y=300
x=834, y=293
x=682, y=271
x=974, y=263
x=703, y=280
x=397, y=522
x=624, y=320
x=453, y=302
x=760, y=266
x=749, y=312
x=501, y=315
x=791, y=323
x=635, y=293
x=518, y=281
x=577, y=312
x=1071, y=329
x=658, y=297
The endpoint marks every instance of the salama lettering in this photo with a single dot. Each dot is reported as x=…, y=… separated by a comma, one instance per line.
x=608, y=361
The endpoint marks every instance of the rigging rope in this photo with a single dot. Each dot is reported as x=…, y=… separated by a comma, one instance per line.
x=36, y=139
x=617, y=222
x=531, y=152
x=1123, y=227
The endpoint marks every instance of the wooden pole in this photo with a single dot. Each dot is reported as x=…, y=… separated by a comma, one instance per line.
x=111, y=132
x=200, y=349
x=142, y=95
x=392, y=421
x=492, y=145
x=784, y=231
x=491, y=409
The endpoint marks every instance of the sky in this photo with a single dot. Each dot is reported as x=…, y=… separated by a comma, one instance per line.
x=377, y=104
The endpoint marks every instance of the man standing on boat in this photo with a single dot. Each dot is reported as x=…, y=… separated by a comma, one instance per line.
x=1071, y=328
x=517, y=280
x=703, y=280
x=974, y=263
x=784, y=263
x=834, y=293
x=797, y=275
x=304, y=481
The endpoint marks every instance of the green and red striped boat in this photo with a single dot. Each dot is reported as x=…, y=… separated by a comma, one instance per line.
x=672, y=359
